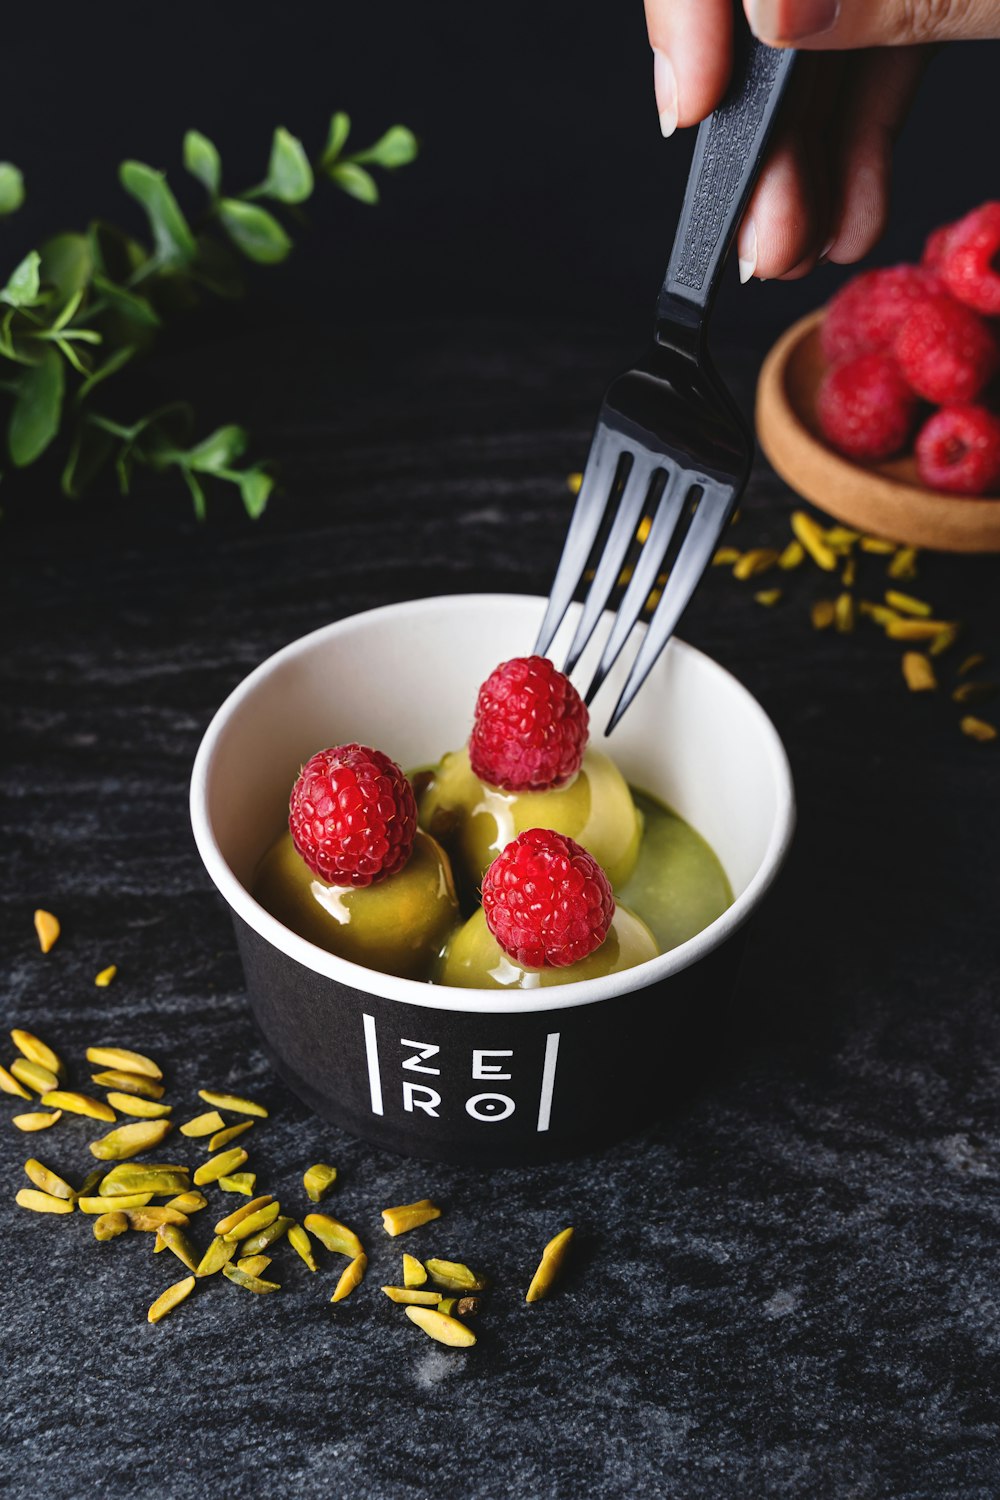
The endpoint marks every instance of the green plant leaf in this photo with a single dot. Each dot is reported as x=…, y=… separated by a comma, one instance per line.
x=218, y=450
x=130, y=304
x=217, y=268
x=171, y=234
x=89, y=450
x=396, y=148
x=23, y=283
x=289, y=175
x=11, y=188
x=355, y=181
x=203, y=161
x=255, y=489
x=116, y=254
x=113, y=363
x=254, y=231
x=340, y=129
x=67, y=263
x=197, y=493
x=34, y=420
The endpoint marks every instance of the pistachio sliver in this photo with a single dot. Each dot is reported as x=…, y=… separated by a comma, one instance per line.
x=334, y=1235
x=10, y=1085
x=42, y=1203
x=918, y=673
x=129, y=1083
x=249, y=1283
x=270, y=1235
x=130, y=1140
x=206, y=1124
x=121, y=1057
x=104, y=977
x=149, y=1220
x=219, y=1253
x=454, y=1277
x=223, y=1137
x=40, y=1080
x=79, y=1104
x=155, y=1180
x=142, y=1109
x=302, y=1245
x=351, y=1277
x=170, y=1299
x=47, y=929
x=49, y=1181
x=238, y=1182
x=89, y=1205
x=442, y=1327
x=174, y=1238
x=36, y=1121
x=978, y=729
x=810, y=534
x=188, y=1202
x=550, y=1265
x=233, y=1103
x=409, y=1216
x=318, y=1180
x=414, y=1271
x=253, y=1265
x=108, y=1226
x=410, y=1295
x=37, y=1051
x=238, y=1215
x=219, y=1166
x=254, y=1222
x=447, y=1305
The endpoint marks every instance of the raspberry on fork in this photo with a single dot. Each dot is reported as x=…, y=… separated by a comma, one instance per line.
x=352, y=815
x=970, y=264
x=865, y=407
x=958, y=449
x=530, y=728
x=546, y=900
x=946, y=352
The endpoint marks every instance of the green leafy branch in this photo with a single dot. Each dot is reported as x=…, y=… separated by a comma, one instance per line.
x=76, y=312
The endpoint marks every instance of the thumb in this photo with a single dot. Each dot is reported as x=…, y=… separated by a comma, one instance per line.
x=828, y=25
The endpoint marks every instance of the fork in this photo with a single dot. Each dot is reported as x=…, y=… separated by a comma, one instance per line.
x=671, y=449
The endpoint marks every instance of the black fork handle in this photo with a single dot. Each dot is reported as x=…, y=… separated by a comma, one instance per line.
x=727, y=157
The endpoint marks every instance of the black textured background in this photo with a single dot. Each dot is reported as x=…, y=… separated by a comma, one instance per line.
x=790, y=1287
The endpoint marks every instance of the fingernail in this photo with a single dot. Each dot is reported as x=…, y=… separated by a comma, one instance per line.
x=746, y=250
x=825, y=251
x=792, y=20
x=665, y=86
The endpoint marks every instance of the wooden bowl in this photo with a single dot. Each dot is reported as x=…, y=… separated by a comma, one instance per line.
x=886, y=499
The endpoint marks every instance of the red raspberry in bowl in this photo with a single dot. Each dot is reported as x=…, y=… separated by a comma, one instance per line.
x=935, y=247
x=946, y=352
x=970, y=264
x=958, y=449
x=546, y=900
x=864, y=315
x=352, y=815
x=530, y=728
x=865, y=407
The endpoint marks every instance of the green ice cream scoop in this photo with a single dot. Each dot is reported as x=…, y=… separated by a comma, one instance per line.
x=474, y=959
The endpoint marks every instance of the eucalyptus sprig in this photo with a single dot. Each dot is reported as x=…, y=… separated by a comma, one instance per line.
x=76, y=312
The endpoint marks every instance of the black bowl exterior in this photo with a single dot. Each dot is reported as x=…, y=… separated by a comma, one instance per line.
x=489, y=1088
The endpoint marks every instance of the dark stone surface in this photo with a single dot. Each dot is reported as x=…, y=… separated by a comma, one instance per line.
x=789, y=1288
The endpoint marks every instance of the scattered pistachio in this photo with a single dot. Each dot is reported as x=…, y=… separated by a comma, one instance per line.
x=549, y=1266
x=130, y=1140
x=318, y=1181
x=37, y=1121
x=49, y=1181
x=302, y=1245
x=767, y=597
x=239, y=1214
x=977, y=659
x=850, y=572
x=411, y=1296
x=843, y=614
x=130, y=1083
x=841, y=538
x=149, y=1219
x=414, y=1271
x=253, y=1265
x=811, y=536
x=33, y=1075
x=408, y=1216
x=36, y=1051
x=170, y=1299
x=174, y=1238
x=267, y=1236
x=250, y=1283
x=918, y=672
x=724, y=557
x=334, y=1235
x=904, y=563
x=792, y=557
x=142, y=1109
x=447, y=1305
x=206, y=1124
x=822, y=614
x=916, y=630
x=104, y=978
x=90, y=1181
x=468, y=1307
x=977, y=729
x=253, y=1222
x=351, y=1278
x=188, y=1203
x=757, y=560
x=880, y=613
x=573, y=483
x=223, y=1137
x=877, y=544
x=907, y=605
x=219, y=1253
x=88, y=1205
x=132, y=1177
x=42, y=1203
x=440, y=1326
x=238, y=1182
x=10, y=1085
x=48, y=929
x=454, y=1277
x=968, y=692
x=233, y=1103
x=943, y=641
x=109, y=1226
x=79, y=1104
x=219, y=1166
x=121, y=1057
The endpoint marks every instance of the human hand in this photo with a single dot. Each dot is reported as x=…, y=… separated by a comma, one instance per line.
x=823, y=192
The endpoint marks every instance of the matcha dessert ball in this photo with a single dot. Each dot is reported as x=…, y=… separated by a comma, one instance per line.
x=475, y=960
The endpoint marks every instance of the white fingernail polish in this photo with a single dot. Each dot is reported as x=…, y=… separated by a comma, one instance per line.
x=665, y=86
x=826, y=250
x=746, y=251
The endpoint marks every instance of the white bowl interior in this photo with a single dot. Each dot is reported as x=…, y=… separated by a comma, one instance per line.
x=404, y=678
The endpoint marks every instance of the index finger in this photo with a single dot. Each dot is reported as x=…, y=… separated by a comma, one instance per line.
x=692, y=42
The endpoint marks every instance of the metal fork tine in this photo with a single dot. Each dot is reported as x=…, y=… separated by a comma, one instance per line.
x=620, y=537
x=714, y=509
x=644, y=576
x=592, y=502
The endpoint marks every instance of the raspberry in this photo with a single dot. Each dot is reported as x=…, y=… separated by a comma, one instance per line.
x=530, y=728
x=935, y=248
x=546, y=900
x=865, y=407
x=970, y=266
x=352, y=815
x=864, y=315
x=945, y=351
x=958, y=449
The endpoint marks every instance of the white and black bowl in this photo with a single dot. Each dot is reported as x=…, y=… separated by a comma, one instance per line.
x=465, y=1074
